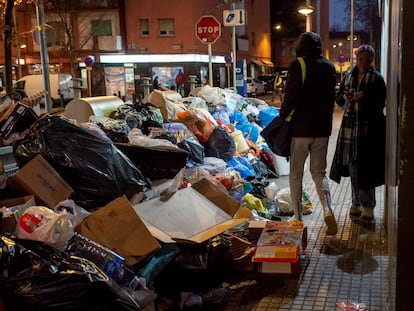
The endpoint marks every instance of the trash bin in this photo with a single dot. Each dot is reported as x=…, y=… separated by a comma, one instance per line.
x=80, y=109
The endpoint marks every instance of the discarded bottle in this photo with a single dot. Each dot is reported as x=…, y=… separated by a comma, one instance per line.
x=110, y=262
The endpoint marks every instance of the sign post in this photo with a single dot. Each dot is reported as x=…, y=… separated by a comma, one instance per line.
x=341, y=61
x=208, y=30
x=233, y=18
x=89, y=62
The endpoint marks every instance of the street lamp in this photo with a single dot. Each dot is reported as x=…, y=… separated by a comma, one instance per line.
x=306, y=10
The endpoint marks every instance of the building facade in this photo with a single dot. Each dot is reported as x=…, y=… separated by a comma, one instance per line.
x=125, y=42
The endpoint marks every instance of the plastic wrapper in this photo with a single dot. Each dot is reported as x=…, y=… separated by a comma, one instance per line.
x=197, y=123
x=351, y=306
x=284, y=201
x=41, y=278
x=96, y=169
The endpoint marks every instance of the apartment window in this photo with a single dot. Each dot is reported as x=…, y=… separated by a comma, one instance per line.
x=143, y=27
x=253, y=38
x=101, y=27
x=292, y=52
x=282, y=52
x=166, y=27
x=58, y=29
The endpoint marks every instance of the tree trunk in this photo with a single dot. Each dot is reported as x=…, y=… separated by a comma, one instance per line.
x=8, y=64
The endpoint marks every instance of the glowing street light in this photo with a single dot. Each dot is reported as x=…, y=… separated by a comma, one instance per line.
x=306, y=10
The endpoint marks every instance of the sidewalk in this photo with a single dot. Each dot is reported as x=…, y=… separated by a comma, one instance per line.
x=351, y=266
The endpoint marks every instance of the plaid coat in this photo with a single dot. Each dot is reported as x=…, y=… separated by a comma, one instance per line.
x=363, y=130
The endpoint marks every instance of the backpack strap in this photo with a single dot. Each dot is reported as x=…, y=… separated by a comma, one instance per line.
x=303, y=69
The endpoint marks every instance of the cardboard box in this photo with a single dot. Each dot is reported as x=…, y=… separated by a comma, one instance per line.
x=20, y=119
x=255, y=229
x=16, y=206
x=186, y=216
x=217, y=196
x=19, y=204
x=117, y=227
x=279, y=267
x=281, y=240
x=39, y=178
x=278, y=247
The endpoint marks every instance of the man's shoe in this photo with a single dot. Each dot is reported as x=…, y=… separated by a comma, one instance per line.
x=330, y=222
x=355, y=210
x=367, y=213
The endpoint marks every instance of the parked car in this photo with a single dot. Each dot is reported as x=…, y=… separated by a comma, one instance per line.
x=255, y=86
x=61, y=86
x=268, y=82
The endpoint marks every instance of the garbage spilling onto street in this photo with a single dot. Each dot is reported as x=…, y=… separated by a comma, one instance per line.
x=99, y=215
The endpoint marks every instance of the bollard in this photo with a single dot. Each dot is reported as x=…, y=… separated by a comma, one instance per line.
x=146, y=85
x=192, y=79
x=77, y=87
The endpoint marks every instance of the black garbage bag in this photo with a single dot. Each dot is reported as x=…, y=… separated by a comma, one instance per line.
x=95, y=168
x=35, y=276
x=193, y=146
x=220, y=144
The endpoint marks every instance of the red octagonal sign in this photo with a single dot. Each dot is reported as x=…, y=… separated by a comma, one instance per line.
x=208, y=29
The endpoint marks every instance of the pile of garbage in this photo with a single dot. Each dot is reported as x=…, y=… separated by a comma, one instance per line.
x=94, y=213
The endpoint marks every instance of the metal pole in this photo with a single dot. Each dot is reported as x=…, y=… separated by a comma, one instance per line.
x=43, y=54
x=234, y=56
x=351, y=37
x=18, y=54
x=308, y=19
x=210, y=66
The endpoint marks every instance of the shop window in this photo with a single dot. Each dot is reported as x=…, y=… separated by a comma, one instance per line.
x=101, y=27
x=144, y=27
x=58, y=29
x=166, y=27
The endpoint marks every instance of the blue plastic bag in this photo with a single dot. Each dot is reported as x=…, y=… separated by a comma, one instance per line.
x=242, y=166
x=267, y=115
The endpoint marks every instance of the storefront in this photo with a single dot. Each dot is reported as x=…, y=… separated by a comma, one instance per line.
x=127, y=75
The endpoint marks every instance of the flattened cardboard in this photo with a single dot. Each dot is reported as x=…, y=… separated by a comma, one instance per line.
x=216, y=195
x=117, y=227
x=38, y=177
x=187, y=216
x=17, y=206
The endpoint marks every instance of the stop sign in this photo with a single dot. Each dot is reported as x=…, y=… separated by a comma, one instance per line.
x=208, y=29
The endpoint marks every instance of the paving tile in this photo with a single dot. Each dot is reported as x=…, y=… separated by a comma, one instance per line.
x=351, y=266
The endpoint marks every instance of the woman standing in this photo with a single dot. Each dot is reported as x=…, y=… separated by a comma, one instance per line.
x=360, y=149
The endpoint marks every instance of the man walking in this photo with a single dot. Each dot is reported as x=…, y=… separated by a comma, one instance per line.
x=312, y=101
x=179, y=80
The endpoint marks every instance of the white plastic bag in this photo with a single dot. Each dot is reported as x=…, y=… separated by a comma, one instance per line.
x=40, y=223
x=74, y=211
